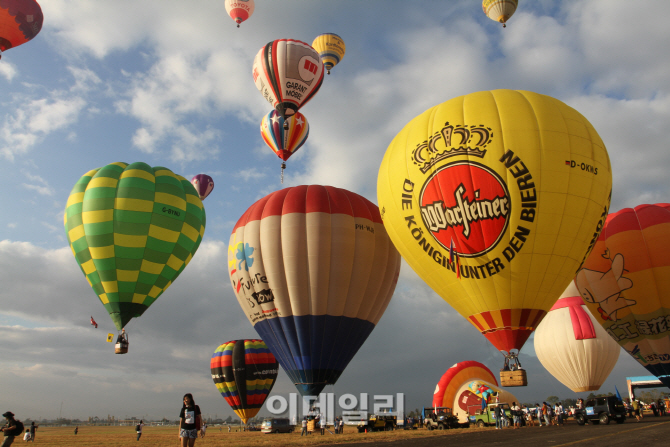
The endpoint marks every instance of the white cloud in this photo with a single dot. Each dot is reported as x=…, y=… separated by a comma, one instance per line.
x=38, y=184
x=7, y=70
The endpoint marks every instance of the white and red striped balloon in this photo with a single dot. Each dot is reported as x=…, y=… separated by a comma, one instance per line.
x=573, y=347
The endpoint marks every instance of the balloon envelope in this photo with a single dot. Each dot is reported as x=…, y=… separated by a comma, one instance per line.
x=284, y=142
x=486, y=199
x=313, y=270
x=240, y=10
x=20, y=21
x=499, y=10
x=203, y=185
x=624, y=283
x=463, y=387
x=331, y=49
x=573, y=347
x=244, y=372
x=132, y=229
x=288, y=73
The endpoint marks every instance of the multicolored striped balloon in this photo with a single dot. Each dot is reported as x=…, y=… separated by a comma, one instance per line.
x=313, y=270
x=133, y=229
x=624, y=283
x=284, y=142
x=244, y=372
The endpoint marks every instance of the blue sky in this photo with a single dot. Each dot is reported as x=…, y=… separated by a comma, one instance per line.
x=169, y=83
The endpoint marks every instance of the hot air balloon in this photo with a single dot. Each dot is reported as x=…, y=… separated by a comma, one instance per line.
x=572, y=348
x=284, y=142
x=203, y=185
x=463, y=387
x=624, y=283
x=244, y=372
x=493, y=198
x=313, y=270
x=288, y=73
x=132, y=229
x=331, y=49
x=239, y=10
x=499, y=10
x=20, y=21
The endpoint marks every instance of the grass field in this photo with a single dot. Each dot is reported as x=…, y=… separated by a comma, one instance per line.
x=168, y=436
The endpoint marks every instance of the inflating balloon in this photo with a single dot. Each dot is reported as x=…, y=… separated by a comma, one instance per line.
x=495, y=199
x=239, y=10
x=499, y=10
x=20, y=21
x=284, y=142
x=624, y=284
x=331, y=49
x=313, y=270
x=577, y=352
x=463, y=388
x=244, y=372
x=203, y=185
x=132, y=229
x=288, y=73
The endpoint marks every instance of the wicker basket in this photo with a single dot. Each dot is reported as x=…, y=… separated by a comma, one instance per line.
x=121, y=348
x=513, y=378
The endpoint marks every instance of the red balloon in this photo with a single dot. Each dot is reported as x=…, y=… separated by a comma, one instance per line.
x=20, y=21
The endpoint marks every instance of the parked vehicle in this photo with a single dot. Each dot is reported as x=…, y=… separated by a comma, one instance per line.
x=439, y=418
x=277, y=425
x=601, y=410
x=485, y=417
x=378, y=422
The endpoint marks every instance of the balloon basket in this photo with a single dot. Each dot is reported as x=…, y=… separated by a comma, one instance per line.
x=513, y=378
x=121, y=348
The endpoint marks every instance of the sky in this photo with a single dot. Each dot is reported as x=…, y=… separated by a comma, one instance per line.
x=169, y=83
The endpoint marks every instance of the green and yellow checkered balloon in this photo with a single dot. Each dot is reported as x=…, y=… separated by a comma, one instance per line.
x=133, y=229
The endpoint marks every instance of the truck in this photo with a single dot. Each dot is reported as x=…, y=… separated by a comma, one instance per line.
x=439, y=418
x=601, y=410
x=485, y=417
x=378, y=422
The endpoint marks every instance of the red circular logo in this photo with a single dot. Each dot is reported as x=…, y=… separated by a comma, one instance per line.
x=466, y=206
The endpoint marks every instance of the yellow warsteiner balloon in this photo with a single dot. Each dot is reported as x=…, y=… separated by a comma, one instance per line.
x=495, y=199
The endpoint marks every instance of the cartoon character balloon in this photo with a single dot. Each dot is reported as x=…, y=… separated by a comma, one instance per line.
x=284, y=142
x=20, y=21
x=494, y=199
x=466, y=387
x=624, y=284
x=499, y=10
x=313, y=270
x=203, y=184
x=133, y=229
x=240, y=10
x=577, y=352
x=288, y=73
x=244, y=372
x=331, y=49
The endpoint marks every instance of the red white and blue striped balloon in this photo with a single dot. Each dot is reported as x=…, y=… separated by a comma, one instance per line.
x=313, y=270
x=284, y=142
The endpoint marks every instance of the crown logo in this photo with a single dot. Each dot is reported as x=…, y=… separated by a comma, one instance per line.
x=443, y=144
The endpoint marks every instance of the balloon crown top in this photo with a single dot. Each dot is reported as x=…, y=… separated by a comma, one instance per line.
x=451, y=141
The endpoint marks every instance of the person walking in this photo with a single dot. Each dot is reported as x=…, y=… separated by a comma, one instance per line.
x=189, y=421
x=498, y=417
x=138, y=429
x=545, y=413
x=341, y=426
x=636, y=409
x=304, y=427
x=33, y=429
x=558, y=410
x=322, y=424
x=516, y=415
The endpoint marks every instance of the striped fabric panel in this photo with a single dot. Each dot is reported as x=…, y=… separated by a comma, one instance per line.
x=133, y=229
